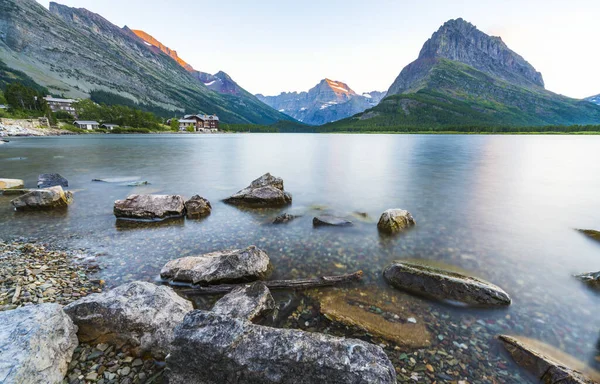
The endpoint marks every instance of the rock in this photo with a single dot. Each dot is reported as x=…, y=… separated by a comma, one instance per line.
x=41, y=199
x=548, y=364
x=212, y=349
x=444, y=285
x=218, y=267
x=15, y=192
x=139, y=314
x=266, y=191
x=328, y=220
x=592, y=234
x=150, y=207
x=284, y=218
x=247, y=302
x=197, y=207
x=137, y=184
x=11, y=184
x=126, y=179
x=47, y=180
x=395, y=220
x=351, y=308
x=591, y=279
x=36, y=344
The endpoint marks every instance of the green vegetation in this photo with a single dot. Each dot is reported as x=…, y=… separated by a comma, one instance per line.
x=108, y=98
x=74, y=129
x=22, y=98
x=280, y=126
x=117, y=114
x=9, y=76
x=174, y=124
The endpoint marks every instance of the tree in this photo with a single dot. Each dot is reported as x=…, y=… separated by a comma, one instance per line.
x=174, y=124
x=2, y=98
x=21, y=97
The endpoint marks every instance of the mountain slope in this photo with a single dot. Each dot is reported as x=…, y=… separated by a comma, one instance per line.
x=74, y=51
x=463, y=77
x=594, y=99
x=326, y=102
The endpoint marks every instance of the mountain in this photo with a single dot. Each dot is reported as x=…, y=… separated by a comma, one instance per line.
x=72, y=52
x=464, y=77
x=328, y=101
x=594, y=99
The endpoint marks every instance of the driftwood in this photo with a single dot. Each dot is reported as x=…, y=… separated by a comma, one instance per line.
x=324, y=281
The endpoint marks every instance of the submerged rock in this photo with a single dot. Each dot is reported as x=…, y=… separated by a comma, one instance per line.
x=395, y=220
x=332, y=221
x=149, y=207
x=41, y=199
x=218, y=267
x=47, y=180
x=351, y=308
x=11, y=183
x=197, y=207
x=247, y=302
x=36, y=344
x=126, y=179
x=213, y=349
x=284, y=218
x=591, y=279
x=140, y=315
x=266, y=191
x=444, y=285
x=548, y=364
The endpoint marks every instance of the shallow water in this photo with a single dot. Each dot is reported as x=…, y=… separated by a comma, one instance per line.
x=503, y=208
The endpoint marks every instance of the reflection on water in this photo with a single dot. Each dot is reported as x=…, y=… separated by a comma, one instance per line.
x=501, y=207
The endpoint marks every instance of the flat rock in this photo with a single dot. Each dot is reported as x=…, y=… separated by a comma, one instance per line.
x=444, y=285
x=547, y=363
x=41, y=199
x=266, y=191
x=591, y=279
x=47, y=180
x=219, y=267
x=284, y=218
x=15, y=192
x=150, y=207
x=36, y=344
x=395, y=220
x=247, y=302
x=140, y=315
x=197, y=207
x=11, y=183
x=351, y=308
x=332, y=221
x=213, y=349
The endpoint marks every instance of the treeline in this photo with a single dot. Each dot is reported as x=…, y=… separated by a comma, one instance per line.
x=108, y=98
x=118, y=114
x=22, y=99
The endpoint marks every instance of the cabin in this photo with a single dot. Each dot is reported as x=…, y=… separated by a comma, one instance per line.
x=57, y=104
x=204, y=123
x=87, y=125
x=109, y=126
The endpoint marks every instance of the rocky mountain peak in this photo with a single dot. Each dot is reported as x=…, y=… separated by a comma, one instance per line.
x=152, y=42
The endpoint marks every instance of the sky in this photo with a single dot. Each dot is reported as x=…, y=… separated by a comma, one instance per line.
x=270, y=46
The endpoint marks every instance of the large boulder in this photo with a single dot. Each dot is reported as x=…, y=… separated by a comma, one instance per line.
x=395, y=220
x=330, y=221
x=213, y=349
x=246, y=302
x=36, y=344
x=592, y=279
x=41, y=199
x=11, y=184
x=444, y=285
x=548, y=364
x=266, y=191
x=197, y=207
x=47, y=180
x=150, y=207
x=219, y=267
x=140, y=315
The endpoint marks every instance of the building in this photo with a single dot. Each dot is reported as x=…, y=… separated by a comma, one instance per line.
x=204, y=123
x=184, y=124
x=88, y=125
x=109, y=126
x=57, y=105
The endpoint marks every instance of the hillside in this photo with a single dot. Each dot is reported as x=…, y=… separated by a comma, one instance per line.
x=594, y=99
x=463, y=77
x=74, y=52
x=326, y=102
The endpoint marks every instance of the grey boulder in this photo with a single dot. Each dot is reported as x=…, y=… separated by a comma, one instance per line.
x=266, y=191
x=331, y=221
x=395, y=220
x=36, y=344
x=47, y=180
x=219, y=267
x=43, y=199
x=591, y=279
x=209, y=348
x=247, y=302
x=197, y=207
x=444, y=285
x=284, y=218
x=150, y=207
x=140, y=315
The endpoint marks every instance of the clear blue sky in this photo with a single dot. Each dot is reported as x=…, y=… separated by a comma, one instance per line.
x=271, y=46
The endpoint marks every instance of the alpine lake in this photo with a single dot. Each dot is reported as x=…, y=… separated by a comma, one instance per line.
x=502, y=208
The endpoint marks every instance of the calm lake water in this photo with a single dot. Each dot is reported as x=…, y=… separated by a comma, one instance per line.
x=503, y=208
